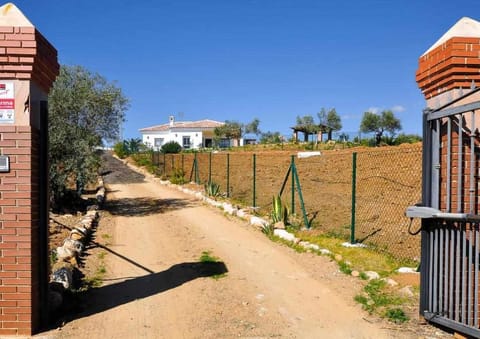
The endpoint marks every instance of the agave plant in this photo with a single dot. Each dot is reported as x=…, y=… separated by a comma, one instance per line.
x=268, y=230
x=212, y=189
x=280, y=211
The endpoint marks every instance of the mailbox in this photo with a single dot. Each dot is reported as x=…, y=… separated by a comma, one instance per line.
x=4, y=163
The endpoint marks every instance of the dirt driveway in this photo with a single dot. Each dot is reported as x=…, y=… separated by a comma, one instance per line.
x=156, y=286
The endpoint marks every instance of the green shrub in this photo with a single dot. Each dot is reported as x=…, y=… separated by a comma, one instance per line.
x=171, y=147
x=407, y=139
x=178, y=177
x=396, y=315
x=120, y=150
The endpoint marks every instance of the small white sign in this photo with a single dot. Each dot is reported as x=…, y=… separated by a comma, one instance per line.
x=7, y=103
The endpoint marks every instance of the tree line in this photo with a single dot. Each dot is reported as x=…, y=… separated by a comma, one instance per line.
x=385, y=127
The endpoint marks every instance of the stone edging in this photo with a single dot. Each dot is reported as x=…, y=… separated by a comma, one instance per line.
x=72, y=248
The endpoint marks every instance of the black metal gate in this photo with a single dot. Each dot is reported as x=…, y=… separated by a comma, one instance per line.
x=450, y=252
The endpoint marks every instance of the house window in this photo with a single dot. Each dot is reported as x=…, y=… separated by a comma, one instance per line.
x=186, y=142
x=159, y=142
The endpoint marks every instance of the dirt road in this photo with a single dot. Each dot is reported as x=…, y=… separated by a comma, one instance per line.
x=156, y=286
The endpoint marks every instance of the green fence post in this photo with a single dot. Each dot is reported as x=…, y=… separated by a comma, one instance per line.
x=228, y=175
x=254, y=178
x=300, y=196
x=285, y=181
x=197, y=179
x=210, y=167
x=292, y=164
x=192, y=171
x=354, y=187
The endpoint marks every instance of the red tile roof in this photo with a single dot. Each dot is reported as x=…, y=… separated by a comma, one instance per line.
x=201, y=124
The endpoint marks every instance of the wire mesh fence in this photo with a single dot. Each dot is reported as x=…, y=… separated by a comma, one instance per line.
x=387, y=181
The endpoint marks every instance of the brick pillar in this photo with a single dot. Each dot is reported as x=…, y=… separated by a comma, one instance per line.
x=449, y=75
x=447, y=70
x=28, y=67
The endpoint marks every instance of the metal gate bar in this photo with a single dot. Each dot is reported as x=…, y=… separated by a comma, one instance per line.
x=450, y=256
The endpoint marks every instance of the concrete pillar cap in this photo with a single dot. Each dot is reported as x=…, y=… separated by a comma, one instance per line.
x=10, y=15
x=465, y=27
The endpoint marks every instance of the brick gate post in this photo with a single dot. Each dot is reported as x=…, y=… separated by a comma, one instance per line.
x=448, y=75
x=28, y=67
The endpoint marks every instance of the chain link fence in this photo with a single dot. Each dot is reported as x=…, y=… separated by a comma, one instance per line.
x=387, y=181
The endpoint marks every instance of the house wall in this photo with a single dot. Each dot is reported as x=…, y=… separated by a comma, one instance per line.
x=196, y=138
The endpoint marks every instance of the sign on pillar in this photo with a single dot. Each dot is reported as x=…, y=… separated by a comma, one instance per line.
x=7, y=103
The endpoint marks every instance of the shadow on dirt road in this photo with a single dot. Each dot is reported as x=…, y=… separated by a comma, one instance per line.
x=107, y=297
x=144, y=206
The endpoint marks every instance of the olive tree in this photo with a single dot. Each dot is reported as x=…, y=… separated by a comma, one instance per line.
x=235, y=130
x=84, y=110
x=386, y=121
x=331, y=120
x=307, y=125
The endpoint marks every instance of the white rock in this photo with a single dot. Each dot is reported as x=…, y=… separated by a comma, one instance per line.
x=241, y=214
x=86, y=221
x=100, y=196
x=256, y=221
x=324, y=251
x=348, y=244
x=407, y=270
x=285, y=235
x=63, y=276
x=73, y=246
x=64, y=253
x=372, y=275
x=228, y=208
x=92, y=213
x=314, y=247
x=308, y=154
x=390, y=282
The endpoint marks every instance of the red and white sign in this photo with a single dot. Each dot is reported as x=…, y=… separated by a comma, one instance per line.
x=7, y=102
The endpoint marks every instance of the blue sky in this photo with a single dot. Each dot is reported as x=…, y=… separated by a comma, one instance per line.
x=243, y=59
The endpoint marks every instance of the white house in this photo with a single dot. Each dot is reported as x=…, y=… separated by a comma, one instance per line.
x=189, y=134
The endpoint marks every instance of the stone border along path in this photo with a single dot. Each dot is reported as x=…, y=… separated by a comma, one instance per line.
x=61, y=278
x=261, y=223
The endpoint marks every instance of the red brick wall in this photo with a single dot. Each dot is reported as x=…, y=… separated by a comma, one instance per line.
x=453, y=64
x=456, y=156
x=26, y=54
x=18, y=225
